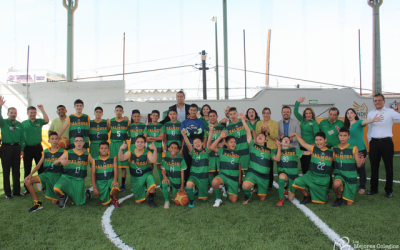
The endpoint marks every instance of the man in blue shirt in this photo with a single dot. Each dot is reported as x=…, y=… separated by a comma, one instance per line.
x=195, y=129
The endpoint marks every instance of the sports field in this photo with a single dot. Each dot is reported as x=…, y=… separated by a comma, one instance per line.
x=371, y=220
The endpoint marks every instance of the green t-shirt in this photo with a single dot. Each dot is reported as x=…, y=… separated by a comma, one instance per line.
x=119, y=130
x=200, y=165
x=79, y=125
x=49, y=158
x=345, y=164
x=229, y=163
x=330, y=131
x=173, y=168
x=152, y=130
x=12, y=133
x=98, y=131
x=217, y=132
x=139, y=164
x=237, y=130
x=135, y=130
x=259, y=160
x=77, y=167
x=33, y=131
x=173, y=132
x=308, y=128
x=206, y=122
x=288, y=163
x=104, y=168
x=321, y=161
x=357, y=135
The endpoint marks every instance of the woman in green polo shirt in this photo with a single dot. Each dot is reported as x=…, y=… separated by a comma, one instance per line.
x=309, y=127
x=204, y=114
x=356, y=128
x=253, y=118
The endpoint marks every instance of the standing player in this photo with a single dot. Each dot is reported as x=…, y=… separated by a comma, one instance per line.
x=49, y=177
x=173, y=170
x=260, y=158
x=119, y=134
x=288, y=170
x=315, y=183
x=77, y=123
x=98, y=132
x=142, y=177
x=136, y=128
x=105, y=176
x=72, y=180
x=153, y=133
x=199, y=169
x=214, y=159
x=345, y=163
x=172, y=130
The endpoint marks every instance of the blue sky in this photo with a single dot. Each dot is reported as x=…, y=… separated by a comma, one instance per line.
x=311, y=39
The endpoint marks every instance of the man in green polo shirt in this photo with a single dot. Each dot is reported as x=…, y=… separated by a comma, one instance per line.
x=330, y=127
x=12, y=135
x=33, y=139
x=57, y=124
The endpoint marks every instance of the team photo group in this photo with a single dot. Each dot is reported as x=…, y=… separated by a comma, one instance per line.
x=196, y=151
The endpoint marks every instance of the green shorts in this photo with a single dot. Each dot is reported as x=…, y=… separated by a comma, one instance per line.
x=262, y=184
x=47, y=181
x=74, y=188
x=105, y=189
x=114, y=153
x=139, y=185
x=245, y=161
x=316, y=185
x=230, y=185
x=348, y=190
x=214, y=164
x=94, y=149
x=291, y=179
x=202, y=186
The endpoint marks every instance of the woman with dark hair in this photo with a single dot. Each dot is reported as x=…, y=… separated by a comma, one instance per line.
x=356, y=128
x=309, y=127
x=204, y=114
x=253, y=118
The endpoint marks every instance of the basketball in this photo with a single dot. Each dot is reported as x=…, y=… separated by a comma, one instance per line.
x=63, y=143
x=181, y=199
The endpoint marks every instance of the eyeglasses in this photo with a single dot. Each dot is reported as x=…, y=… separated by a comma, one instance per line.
x=80, y=141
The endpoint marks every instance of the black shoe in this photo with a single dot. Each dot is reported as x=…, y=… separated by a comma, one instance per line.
x=246, y=200
x=307, y=199
x=372, y=192
x=152, y=204
x=44, y=190
x=8, y=197
x=62, y=201
x=37, y=205
x=88, y=194
x=388, y=195
x=338, y=202
x=25, y=192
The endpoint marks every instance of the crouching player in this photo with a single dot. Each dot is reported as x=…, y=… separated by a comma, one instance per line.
x=258, y=171
x=173, y=170
x=72, y=181
x=49, y=177
x=139, y=167
x=345, y=164
x=288, y=170
x=315, y=183
x=105, y=175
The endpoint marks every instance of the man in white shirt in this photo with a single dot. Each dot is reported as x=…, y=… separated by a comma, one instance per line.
x=381, y=144
x=181, y=108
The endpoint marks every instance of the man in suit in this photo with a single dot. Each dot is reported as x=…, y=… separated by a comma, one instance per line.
x=287, y=126
x=181, y=108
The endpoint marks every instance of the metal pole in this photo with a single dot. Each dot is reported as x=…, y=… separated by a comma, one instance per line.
x=359, y=58
x=377, y=76
x=225, y=50
x=244, y=52
x=216, y=56
x=203, y=64
x=123, y=63
x=267, y=70
x=71, y=7
x=27, y=78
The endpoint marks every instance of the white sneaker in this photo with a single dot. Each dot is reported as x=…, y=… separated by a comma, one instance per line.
x=166, y=205
x=211, y=190
x=224, y=192
x=91, y=189
x=217, y=203
x=238, y=190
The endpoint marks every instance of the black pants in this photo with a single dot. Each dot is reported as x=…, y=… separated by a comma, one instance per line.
x=11, y=159
x=361, y=172
x=271, y=173
x=381, y=148
x=32, y=153
x=188, y=160
x=305, y=161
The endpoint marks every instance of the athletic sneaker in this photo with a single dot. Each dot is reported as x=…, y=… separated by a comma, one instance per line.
x=36, y=206
x=307, y=199
x=224, y=191
x=166, y=205
x=91, y=189
x=246, y=200
x=338, y=202
x=25, y=192
x=122, y=187
x=115, y=203
x=280, y=202
x=254, y=191
x=152, y=204
x=211, y=190
x=217, y=203
x=238, y=190
x=62, y=201
x=88, y=194
x=286, y=192
x=191, y=203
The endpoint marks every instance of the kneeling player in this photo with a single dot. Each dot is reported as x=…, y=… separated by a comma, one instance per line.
x=315, y=183
x=199, y=169
x=140, y=170
x=72, y=181
x=173, y=170
x=345, y=164
x=50, y=175
x=258, y=171
x=287, y=170
x=105, y=175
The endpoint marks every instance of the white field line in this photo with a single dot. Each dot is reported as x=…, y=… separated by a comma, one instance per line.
x=108, y=229
x=394, y=181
